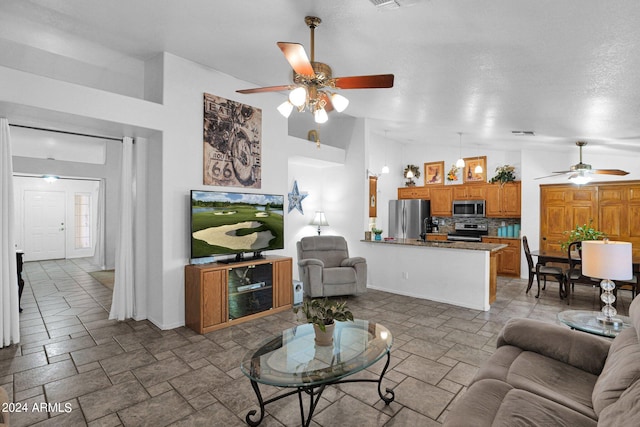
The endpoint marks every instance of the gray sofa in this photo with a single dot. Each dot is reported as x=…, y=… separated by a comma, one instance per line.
x=326, y=269
x=549, y=375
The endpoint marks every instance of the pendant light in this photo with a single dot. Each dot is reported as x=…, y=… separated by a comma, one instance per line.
x=385, y=168
x=460, y=161
x=478, y=168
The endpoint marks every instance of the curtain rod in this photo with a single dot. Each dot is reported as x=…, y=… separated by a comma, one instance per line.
x=111, y=138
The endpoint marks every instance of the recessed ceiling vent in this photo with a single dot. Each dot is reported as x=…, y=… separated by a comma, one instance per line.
x=385, y=4
x=523, y=132
x=394, y=4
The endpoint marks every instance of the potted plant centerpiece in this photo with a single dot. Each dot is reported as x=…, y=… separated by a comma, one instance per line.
x=323, y=313
x=581, y=233
x=504, y=174
x=377, y=232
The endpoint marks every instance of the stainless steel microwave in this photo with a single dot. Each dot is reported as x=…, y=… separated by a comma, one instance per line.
x=468, y=208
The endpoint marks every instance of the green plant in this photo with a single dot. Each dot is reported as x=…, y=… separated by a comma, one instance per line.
x=504, y=174
x=376, y=230
x=415, y=170
x=324, y=312
x=581, y=233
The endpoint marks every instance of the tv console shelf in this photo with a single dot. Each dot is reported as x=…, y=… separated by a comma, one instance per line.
x=218, y=295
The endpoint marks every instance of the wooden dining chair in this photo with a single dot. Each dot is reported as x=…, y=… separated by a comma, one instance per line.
x=573, y=274
x=538, y=270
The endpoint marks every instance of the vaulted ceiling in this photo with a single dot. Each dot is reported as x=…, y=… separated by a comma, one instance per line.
x=566, y=70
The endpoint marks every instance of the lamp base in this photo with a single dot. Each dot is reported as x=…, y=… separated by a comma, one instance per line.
x=610, y=321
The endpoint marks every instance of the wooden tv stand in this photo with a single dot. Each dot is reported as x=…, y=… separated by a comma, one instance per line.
x=219, y=295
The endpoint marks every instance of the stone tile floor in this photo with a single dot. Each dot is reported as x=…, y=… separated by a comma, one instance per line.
x=98, y=372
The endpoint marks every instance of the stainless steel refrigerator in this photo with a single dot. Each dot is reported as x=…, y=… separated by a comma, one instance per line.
x=407, y=218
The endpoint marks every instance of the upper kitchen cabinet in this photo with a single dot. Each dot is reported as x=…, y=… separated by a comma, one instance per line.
x=503, y=200
x=468, y=192
x=441, y=200
x=413, y=193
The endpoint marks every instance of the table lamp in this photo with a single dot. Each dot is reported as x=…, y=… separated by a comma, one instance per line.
x=320, y=220
x=607, y=260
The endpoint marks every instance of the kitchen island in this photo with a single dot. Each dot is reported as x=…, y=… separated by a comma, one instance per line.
x=457, y=273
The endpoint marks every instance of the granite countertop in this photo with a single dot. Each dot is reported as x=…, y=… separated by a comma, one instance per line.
x=495, y=236
x=474, y=246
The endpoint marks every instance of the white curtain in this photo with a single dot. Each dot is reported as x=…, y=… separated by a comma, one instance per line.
x=99, y=252
x=9, y=315
x=123, y=302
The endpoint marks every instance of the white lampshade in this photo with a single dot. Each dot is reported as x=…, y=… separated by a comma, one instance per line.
x=285, y=108
x=460, y=163
x=385, y=169
x=298, y=96
x=319, y=219
x=605, y=259
x=340, y=103
x=320, y=115
x=477, y=169
x=409, y=174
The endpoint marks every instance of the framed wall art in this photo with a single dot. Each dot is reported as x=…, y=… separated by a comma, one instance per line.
x=468, y=172
x=232, y=140
x=434, y=173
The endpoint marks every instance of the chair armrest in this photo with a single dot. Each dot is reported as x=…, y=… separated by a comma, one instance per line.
x=310, y=261
x=579, y=349
x=351, y=262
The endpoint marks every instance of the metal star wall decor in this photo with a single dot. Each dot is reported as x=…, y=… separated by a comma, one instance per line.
x=295, y=198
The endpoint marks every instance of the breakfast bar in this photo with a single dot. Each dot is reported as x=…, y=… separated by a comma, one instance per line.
x=457, y=273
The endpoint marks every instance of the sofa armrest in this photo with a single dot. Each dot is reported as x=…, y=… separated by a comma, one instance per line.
x=582, y=350
x=310, y=261
x=351, y=262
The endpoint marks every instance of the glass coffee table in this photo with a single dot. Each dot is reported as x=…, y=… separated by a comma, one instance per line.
x=293, y=360
x=587, y=321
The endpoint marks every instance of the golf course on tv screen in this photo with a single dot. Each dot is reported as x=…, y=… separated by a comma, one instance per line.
x=231, y=223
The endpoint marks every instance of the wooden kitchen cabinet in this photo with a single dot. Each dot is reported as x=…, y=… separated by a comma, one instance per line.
x=441, y=200
x=217, y=294
x=562, y=208
x=413, y=193
x=436, y=237
x=619, y=213
x=508, y=259
x=468, y=192
x=503, y=201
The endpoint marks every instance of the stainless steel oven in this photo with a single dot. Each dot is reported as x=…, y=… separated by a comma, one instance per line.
x=469, y=208
x=468, y=232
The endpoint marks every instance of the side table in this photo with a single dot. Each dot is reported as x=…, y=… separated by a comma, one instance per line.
x=587, y=321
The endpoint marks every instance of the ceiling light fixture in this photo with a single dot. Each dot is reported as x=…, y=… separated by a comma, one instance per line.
x=314, y=87
x=385, y=168
x=50, y=178
x=478, y=168
x=580, y=178
x=460, y=161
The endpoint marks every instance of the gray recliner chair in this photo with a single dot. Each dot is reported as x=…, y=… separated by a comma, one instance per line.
x=326, y=269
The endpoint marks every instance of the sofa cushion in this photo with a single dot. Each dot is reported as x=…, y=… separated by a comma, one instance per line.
x=338, y=275
x=495, y=403
x=625, y=411
x=541, y=375
x=621, y=369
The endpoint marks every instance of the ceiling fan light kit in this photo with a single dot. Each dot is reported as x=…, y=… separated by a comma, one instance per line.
x=313, y=82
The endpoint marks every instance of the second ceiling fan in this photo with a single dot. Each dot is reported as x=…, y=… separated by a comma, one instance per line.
x=313, y=83
x=580, y=173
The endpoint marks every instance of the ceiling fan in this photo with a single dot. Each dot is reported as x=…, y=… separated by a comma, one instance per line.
x=580, y=173
x=313, y=82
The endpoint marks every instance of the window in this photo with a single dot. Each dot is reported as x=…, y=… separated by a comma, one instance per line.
x=82, y=202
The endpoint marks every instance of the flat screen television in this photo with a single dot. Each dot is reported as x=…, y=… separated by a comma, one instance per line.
x=224, y=223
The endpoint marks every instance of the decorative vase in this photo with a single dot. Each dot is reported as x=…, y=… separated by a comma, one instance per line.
x=324, y=338
x=378, y=237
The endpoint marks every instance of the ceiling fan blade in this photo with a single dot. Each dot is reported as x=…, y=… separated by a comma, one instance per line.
x=561, y=172
x=297, y=58
x=376, y=81
x=266, y=89
x=609, y=172
x=554, y=174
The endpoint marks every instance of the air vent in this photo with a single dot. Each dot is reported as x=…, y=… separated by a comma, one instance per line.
x=523, y=132
x=385, y=4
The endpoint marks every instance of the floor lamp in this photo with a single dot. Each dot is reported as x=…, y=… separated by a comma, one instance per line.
x=607, y=260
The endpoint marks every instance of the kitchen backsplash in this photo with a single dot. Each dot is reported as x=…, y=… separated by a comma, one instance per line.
x=446, y=224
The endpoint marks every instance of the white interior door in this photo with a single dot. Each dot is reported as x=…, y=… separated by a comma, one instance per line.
x=44, y=225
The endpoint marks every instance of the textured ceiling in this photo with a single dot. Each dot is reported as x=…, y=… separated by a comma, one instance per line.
x=566, y=69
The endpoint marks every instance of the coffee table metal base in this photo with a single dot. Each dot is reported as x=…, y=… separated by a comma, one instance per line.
x=314, y=393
